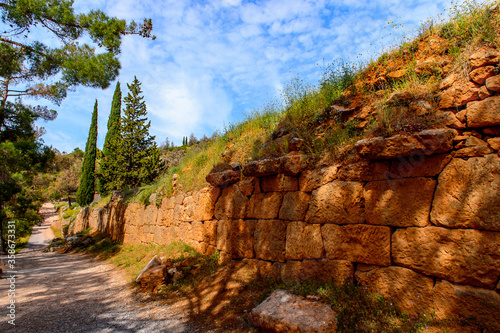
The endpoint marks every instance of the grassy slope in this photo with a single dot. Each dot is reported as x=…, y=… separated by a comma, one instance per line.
x=305, y=109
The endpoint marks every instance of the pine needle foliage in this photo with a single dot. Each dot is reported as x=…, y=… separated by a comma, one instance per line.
x=140, y=155
x=109, y=166
x=85, y=193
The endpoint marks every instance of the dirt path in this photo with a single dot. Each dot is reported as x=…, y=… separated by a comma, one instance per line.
x=75, y=293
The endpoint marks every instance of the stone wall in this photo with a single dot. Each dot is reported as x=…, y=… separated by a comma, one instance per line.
x=416, y=218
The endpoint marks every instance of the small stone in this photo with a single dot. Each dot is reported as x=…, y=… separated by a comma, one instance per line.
x=484, y=92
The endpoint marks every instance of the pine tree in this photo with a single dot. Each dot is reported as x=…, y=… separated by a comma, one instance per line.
x=109, y=169
x=85, y=193
x=140, y=157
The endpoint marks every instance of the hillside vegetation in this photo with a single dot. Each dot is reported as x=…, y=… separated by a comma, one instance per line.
x=396, y=93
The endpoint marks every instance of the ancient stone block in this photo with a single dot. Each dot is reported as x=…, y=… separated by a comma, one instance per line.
x=279, y=183
x=264, y=205
x=459, y=255
x=427, y=142
x=479, y=75
x=303, y=241
x=411, y=292
x=312, y=179
x=494, y=143
x=232, y=204
x=400, y=202
x=270, y=239
x=453, y=301
x=337, y=202
x=210, y=232
x=467, y=194
x=204, y=203
x=493, y=83
x=363, y=171
x=286, y=312
x=185, y=232
x=197, y=231
x=236, y=237
x=292, y=164
x=484, y=92
x=262, y=168
x=461, y=93
x=484, y=113
x=223, y=178
x=484, y=56
x=418, y=166
x=294, y=206
x=165, y=217
x=247, y=186
x=360, y=243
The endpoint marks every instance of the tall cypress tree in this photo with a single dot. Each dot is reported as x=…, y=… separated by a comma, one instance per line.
x=109, y=167
x=140, y=157
x=85, y=193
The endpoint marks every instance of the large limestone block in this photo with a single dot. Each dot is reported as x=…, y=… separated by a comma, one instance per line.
x=197, y=231
x=210, y=232
x=294, y=206
x=151, y=214
x=467, y=194
x=279, y=183
x=484, y=113
x=418, y=166
x=364, y=171
x=411, y=292
x=453, y=301
x=337, y=202
x=459, y=255
x=264, y=205
x=204, y=203
x=236, y=237
x=461, y=93
x=360, y=243
x=223, y=178
x=285, y=312
x=231, y=204
x=270, y=240
x=165, y=216
x=427, y=142
x=310, y=180
x=303, y=241
x=336, y=271
x=484, y=56
x=399, y=202
x=493, y=83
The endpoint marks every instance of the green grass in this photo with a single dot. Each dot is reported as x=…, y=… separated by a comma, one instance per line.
x=304, y=108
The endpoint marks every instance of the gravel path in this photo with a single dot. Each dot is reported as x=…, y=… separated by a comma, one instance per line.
x=75, y=293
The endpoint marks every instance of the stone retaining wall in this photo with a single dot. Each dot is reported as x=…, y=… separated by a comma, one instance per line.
x=417, y=218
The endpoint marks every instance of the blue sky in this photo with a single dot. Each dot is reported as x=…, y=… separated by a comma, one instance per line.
x=215, y=60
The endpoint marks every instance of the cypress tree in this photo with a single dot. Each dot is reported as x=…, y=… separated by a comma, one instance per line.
x=85, y=193
x=140, y=157
x=108, y=167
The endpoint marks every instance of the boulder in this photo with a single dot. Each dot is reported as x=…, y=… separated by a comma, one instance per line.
x=337, y=202
x=303, y=241
x=204, y=203
x=484, y=113
x=427, y=142
x=467, y=194
x=399, y=202
x=463, y=256
x=364, y=171
x=360, y=243
x=339, y=272
x=418, y=166
x=411, y=292
x=285, y=312
x=494, y=143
